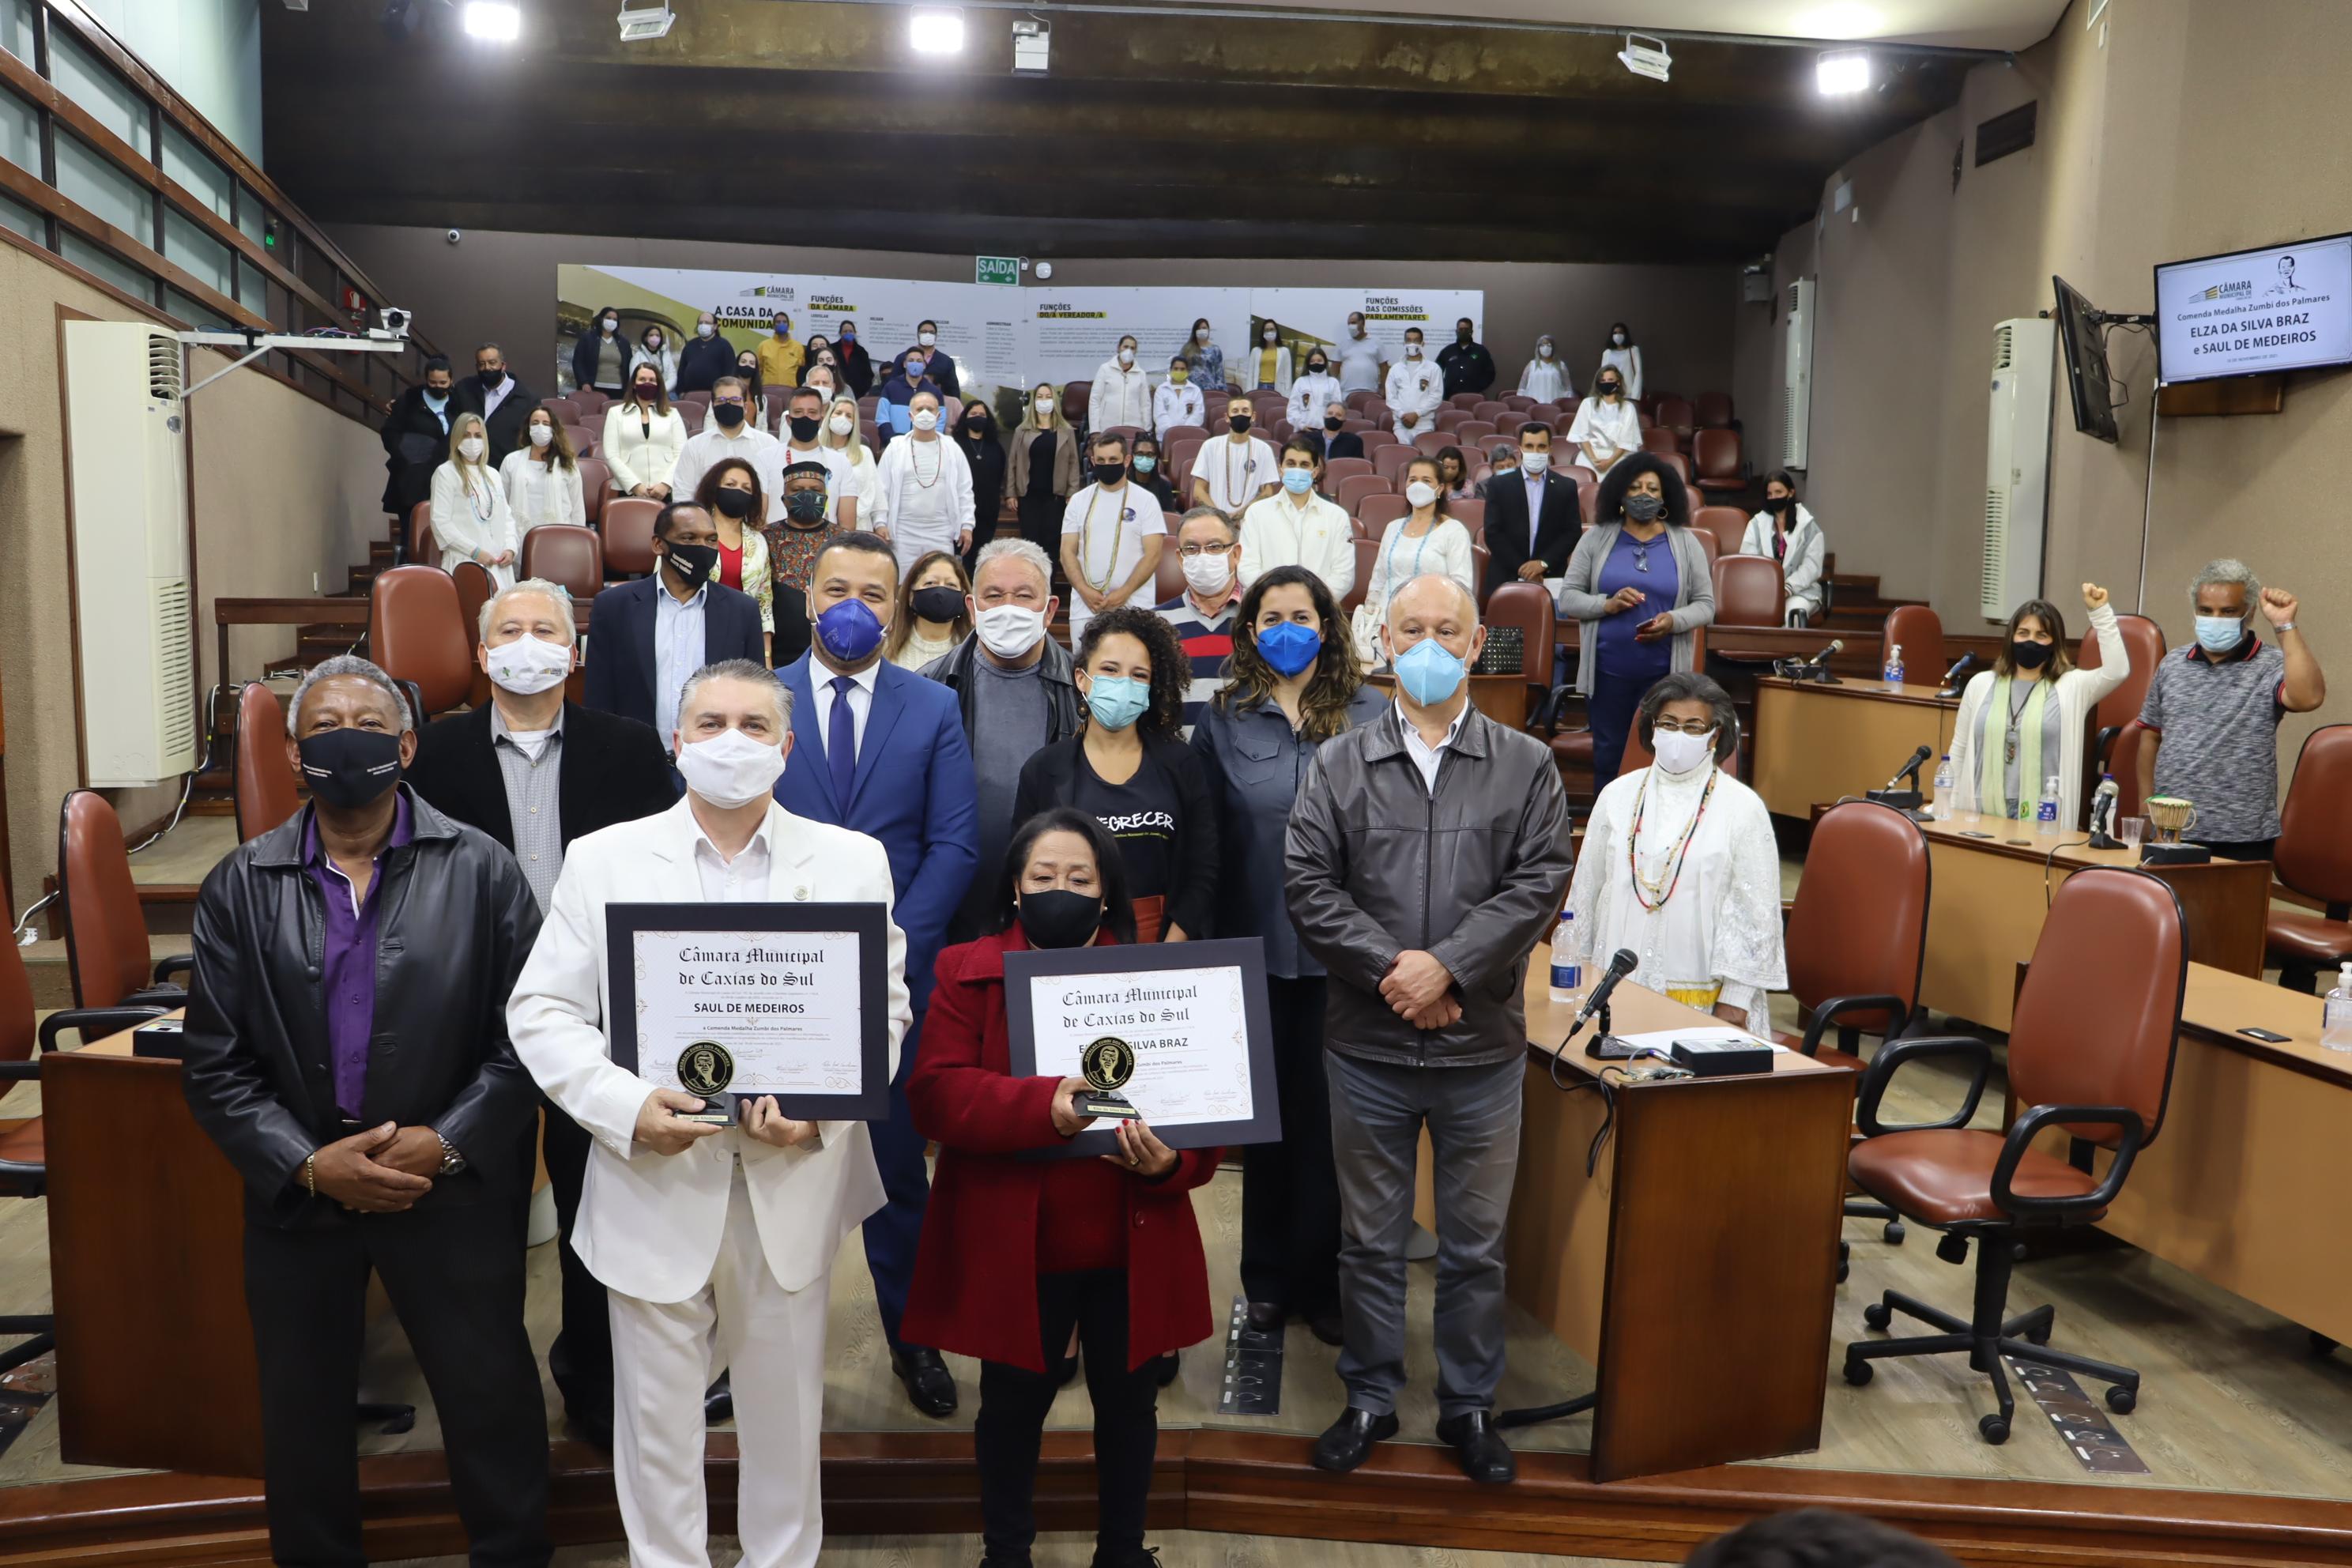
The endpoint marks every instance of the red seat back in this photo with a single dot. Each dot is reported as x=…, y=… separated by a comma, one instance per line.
x=1747, y=591
x=1859, y=926
x=1716, y=454
x=573, y=557
x=266, y=795
x=2100, y=1009
x=106, y=933
x=1727, y=524
x=1352, y=491
x=416, y=632
x=2313, y=855
x=596, y=489
x=1919, y=633
x=629, y=535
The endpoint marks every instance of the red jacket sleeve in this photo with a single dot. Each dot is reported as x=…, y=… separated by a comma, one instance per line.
x=961, y=1104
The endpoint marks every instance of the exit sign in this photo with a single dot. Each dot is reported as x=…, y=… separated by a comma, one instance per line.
x=999, y=269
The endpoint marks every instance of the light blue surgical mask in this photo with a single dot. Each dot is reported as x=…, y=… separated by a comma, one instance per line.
x=1145, y=462
x=1117, y=701
x=2220, y=634
x=1429, y=672
x=1298, y=481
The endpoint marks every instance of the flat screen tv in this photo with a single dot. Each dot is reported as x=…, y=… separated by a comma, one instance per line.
x=2082, y=329
x=2252, y=313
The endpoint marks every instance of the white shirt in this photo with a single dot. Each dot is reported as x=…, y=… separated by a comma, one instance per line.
x=1426, y=757
x=1172, y=406
x=861, y=700
x=1628, y=362
x=861, y=474
x=705, y=452
x=1110, y=527
x=1121, y=395
x=1358, y=360
x=1309, y=394
x=540, y=493
x=1234, y=473
x=743, y=880
x=677, y=650
x=1546, y=380
x=1278, y=532
x=1446, y=548
x=1614, y=430
x=1415, y=387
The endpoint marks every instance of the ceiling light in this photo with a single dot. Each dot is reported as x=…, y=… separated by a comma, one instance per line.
x=1645, y=56
x=1845, y=71
x=936, y=30
x=493, y=20
x=639, y=23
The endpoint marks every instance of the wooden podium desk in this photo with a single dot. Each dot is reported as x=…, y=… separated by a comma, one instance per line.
x=1816, y=744
x=1696, y=1268
x=1989, y=896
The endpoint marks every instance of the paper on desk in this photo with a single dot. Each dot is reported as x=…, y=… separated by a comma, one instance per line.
x=1721, y=1033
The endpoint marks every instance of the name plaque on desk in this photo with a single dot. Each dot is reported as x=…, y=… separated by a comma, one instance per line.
x=733, y=1002
x=1184, y=1028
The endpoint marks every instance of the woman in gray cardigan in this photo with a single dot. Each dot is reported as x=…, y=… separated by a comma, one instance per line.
x=1640, y=583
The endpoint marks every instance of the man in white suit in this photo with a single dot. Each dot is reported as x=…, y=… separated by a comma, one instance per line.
x=716, y=1244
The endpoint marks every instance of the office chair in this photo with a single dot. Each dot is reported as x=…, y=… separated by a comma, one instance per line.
x=266, y=795
x=24, y=1162
x=2090, y=1053
x=1857, y=937
x=2314, y=856
x=106, y=932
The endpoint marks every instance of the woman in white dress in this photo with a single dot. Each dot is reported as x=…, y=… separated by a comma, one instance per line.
x=2021, y=723
x=471, y=519
x=1545, y=379
x=1428, y=539
x=1680, y=866
x=542, y=478
x=1623, y=355
x=1606, y=426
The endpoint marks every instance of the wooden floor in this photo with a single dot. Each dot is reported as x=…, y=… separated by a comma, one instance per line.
x=1178, y=1549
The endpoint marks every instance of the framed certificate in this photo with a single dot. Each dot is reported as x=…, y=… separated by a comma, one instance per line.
x=736, y=1000
x=1180, y=1030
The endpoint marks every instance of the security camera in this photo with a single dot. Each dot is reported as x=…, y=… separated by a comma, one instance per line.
x=456, y=235
x=395, y=323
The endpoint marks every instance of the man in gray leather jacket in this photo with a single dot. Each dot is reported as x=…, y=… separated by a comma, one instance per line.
x=1427, y=855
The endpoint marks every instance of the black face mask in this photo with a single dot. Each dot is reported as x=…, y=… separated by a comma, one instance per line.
x=1331, y=424
x=805, y=505
x=1778, y=503
x=693, y=563
x=349, y=768
x=803, y=427
x=976, y=429
x=729, y=414
x=489, y=378
x=733, y=503
x=1238, y=423
x=1645, y=509
x=1316, y=367
x=1109, y=473
x=1608, y=389
x=1461, y=334
x=1059, y=917
x=942, y=605
x=2028, y=655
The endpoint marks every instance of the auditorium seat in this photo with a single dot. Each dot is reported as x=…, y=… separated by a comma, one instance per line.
x=1336, y=470
x=583, y=440
x=1389, y=462
x=1075, y=396
x=1675, y=418
x=1747, y=591
x=1678, y=463
x=421, y=547
x=1356, y=427
x=1659, y=439
x=1919, y=633
x=1527, y=606
x=693, y=415
x=1490, y=409
x=1367, y=552
x=1468, y=400
x=1479, y=557
x=2090, y=1053
x=591, y=402
x=1358, y=398
x=418, y=632
x=476, y=587
x=106, y=932
x=1542, y=413
x=629, y=535
x=1508, y=424
x=1375, y=513
x=1352, y=489
x=1727, y=524
x=2144, y=645
x=1175, y=433
x=701, y=399
x=1168, y=573
x=571, y=556
x=1472, y=515
x=1715, y=455
x=1588, y=492
x=596, y=489
x=1432, y=442
x=1181, y=454
x=1707, y=545
x=2314, y=858
x=2123, y=761
x=264, y=779
x=1517, y=402
x=1377, y=437
x=1712, y=410
x=1476, y=432
x=1451, y=418
x=566, y=410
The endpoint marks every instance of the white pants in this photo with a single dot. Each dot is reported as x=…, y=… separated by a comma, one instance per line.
x=665, y=1354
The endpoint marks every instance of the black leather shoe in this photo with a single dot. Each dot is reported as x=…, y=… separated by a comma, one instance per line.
x=719, y=1402
x=1486, y=1457
x=930, y=1387
x=1348, y=1442
x=1263, y=1318
x=1327, y=1326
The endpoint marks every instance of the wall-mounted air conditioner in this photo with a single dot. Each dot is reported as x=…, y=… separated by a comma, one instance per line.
x=2017, y=464
x=1796, y=373
x=129, y=470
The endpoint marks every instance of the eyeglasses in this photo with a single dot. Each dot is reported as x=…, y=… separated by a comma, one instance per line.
x=1192, y=552
x=1673, y=727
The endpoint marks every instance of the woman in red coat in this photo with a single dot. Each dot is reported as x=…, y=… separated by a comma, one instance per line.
x=1015, y=1252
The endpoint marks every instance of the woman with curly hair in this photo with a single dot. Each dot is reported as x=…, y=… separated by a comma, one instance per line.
x=1292, y=682
x=1129, y=768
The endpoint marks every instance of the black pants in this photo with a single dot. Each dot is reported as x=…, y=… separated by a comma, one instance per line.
x=1012, y=1405
x=581, y=1358
x=1041, y=523
x=1290, y=1190
x=454, y=1275
x=2240, y=848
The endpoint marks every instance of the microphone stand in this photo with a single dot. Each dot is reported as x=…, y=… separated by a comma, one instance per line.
x=1535, y=1415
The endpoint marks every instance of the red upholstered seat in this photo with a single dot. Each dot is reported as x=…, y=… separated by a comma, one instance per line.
x=1946, y=1177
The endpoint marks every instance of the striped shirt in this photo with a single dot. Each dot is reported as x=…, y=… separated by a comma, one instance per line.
x=1208, y=641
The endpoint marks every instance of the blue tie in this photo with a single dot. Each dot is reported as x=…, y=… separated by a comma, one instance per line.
x=841, y=742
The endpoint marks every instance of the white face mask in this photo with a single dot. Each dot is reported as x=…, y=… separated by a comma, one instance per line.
x=1420, y=493
x=1201, y=335
x=1617, y=338
x=1009, y=631
x=1679, y=754
x=927, y=339
x=1535, y=462
x=731, y=769
x=528, y=665
x=926, y=418
x=542, y=434
x=1413, y=351
x=1045, y=405
x=1126, y=356
x=1271, y=337
x=702, y=329
x=608, y=325
x=470, y=449
x=1357, y=330
x=1543, y=351
x=1208, y=574
x=841, y=423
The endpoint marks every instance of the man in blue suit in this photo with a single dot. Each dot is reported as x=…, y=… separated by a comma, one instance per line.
x=644, y=637
x=880, y=750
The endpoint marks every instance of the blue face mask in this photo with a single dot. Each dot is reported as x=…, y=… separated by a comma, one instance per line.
x=1288, y=646
x=1117, y=701
x=2220, y=634
x=1298, y=481
x=1145, y=462
x=1429, y=672
x=849, y=631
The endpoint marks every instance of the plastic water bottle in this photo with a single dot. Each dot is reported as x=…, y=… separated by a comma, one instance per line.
x=2045, y=815
x=1567, y=974
x=2336, y=1023
x=1893, y=672
x=1939, y=804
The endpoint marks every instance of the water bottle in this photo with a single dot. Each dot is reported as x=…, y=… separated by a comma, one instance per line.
x=1939, y=804
x=2336, y=1023
x=2045, y=815
x=1567, y=974
x=1893, y=672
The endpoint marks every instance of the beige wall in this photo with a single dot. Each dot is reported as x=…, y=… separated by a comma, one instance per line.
x=283, y=488
x=2163, y=133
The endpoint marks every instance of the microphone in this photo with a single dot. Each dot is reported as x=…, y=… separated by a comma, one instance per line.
x=1624, y=964
x=2103, y=815
x=1911, y=768
x=1821, y=661
x=1952, y=676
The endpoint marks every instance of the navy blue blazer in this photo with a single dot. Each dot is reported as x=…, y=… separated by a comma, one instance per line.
x=913, y=791
x=620, y=668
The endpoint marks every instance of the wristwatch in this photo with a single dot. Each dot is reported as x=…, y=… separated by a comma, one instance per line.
x=451, y=1161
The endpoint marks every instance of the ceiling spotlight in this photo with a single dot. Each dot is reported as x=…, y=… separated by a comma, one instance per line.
x=1033, y=42
x=494, y=20
x=639, y=23
x=1645, y=56
x=1847, y=70
x=936, y=30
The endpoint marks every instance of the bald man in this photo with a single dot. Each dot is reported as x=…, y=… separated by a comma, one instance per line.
x=1425, y=1023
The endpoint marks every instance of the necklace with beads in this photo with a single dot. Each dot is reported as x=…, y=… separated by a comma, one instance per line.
x=1654, y=891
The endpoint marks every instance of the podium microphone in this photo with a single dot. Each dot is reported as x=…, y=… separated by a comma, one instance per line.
x=1911, y=769
x=1624, y=964
x=1821, y=661
x=1894, y=794
x=1952, y=677
x=2102, y=815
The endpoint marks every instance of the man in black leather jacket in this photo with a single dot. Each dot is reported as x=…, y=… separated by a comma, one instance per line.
x=346, y=1046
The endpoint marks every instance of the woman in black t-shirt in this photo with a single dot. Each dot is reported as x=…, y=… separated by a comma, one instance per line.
x=1129, y=769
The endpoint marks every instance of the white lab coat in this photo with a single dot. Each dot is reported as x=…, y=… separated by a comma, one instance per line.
x=540, y=493
x=641, y=450
x=1308, y=397
x=1278, y=532
x=1800, y=571
x=1172, y=406
x=460, y=526
x=1119, y=396
x=1415, y=387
